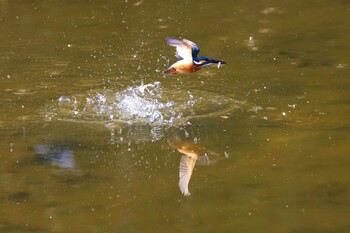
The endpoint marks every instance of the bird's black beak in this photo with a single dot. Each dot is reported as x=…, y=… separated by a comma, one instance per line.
x=217, y=61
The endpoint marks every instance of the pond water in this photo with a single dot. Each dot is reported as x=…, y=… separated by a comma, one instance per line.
x=94, y=138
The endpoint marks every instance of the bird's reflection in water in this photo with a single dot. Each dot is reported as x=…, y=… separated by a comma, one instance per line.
x=183, y=139
x=192, y=153
x=59, y=155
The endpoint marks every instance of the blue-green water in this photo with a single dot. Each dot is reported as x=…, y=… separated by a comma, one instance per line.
x=92, y=133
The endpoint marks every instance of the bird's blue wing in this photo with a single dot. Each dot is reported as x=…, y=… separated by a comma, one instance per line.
x=185, y=49
x=195, y=48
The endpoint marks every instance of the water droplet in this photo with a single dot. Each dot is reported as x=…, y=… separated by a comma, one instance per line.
x=63, y=99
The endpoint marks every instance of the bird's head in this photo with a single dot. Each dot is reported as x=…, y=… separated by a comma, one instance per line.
x=205, y=61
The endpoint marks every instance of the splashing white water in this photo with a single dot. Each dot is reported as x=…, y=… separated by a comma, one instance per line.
x=144, y=104
x=135, y=104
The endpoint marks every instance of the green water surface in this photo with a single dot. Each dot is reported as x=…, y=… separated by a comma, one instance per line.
x=282, y=152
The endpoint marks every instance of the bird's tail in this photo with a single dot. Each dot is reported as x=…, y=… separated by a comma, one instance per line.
x=170, y=71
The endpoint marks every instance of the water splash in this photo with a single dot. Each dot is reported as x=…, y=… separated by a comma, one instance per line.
x=144, y=104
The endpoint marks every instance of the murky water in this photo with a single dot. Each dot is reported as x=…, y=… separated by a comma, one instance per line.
x=95, y=139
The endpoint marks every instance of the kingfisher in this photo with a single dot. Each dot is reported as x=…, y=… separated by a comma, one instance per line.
x=189, y=62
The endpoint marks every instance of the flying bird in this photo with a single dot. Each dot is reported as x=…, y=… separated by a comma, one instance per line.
x=189, y=62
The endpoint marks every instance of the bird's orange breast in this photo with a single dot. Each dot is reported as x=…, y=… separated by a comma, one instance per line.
x=182, y=69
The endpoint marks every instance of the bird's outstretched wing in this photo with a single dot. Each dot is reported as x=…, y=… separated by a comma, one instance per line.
x=195, y=48
x=185, y=49
x=187, y=164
